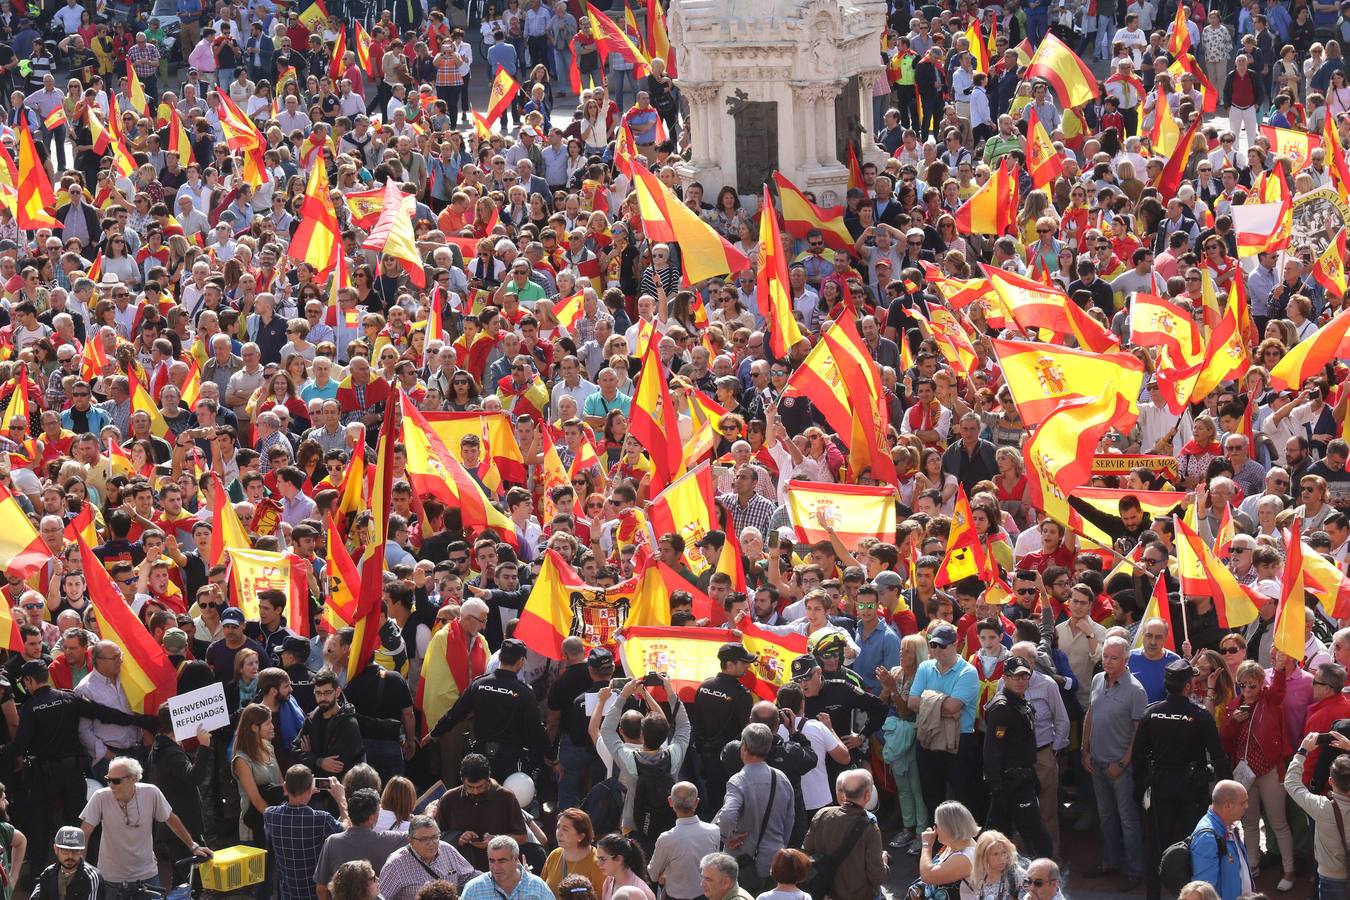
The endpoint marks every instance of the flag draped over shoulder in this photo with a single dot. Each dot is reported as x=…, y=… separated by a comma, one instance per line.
x=854, y=511
x=561, y=605
x=148, y=677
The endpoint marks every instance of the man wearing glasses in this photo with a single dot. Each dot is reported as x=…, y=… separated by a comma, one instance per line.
x=104, y=741
x=425, y=857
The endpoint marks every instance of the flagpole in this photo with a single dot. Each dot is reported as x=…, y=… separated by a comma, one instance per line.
x=1112, y=550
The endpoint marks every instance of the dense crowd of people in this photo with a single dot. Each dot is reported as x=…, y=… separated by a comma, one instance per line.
x=169, y=349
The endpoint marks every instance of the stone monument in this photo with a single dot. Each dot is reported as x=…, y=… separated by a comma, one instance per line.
x=777, y=84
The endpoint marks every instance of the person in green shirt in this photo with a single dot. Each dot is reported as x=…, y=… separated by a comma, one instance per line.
x=519, y=283
x=1005, y=140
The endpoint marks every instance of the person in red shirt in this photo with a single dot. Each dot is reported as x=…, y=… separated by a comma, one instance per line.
x=1054, y=551
x=1328, y=706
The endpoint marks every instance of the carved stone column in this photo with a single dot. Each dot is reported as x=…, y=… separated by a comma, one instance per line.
x=828, y=127
x=807, y=123
x=867, y=78
x=702, y=96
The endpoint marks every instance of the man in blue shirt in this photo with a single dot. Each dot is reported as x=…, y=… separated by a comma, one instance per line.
x=1149, y=662
x=878, y=644
x=1218, y=854
x=506, y=878
x=948, y=674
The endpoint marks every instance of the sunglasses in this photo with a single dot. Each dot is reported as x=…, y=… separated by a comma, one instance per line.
x=1231, y=651
x=116, y=781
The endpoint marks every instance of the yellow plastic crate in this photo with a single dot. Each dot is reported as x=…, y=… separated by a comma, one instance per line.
x=233, y=868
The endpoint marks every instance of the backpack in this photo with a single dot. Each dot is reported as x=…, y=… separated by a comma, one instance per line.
x=1174, y=870
x=604, y=804
x=652, y=814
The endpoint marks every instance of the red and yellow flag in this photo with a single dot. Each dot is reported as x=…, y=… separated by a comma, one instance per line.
x=772, y=291
x=227, y=530
x=502, y=457
x=363, y=52
x=393, y=235
x=339, y=51
x=610, y=38
x=1058, y=456
x=252, y=571
x=965, y=553
x=1032, y=305
x=1323, y=578
x=658, y=40
x=136, y=91
x=1201, y=572
x=800, y=215
x=82, y=526
x=562, y=605
x=22, y=552
x=1311, y=354
x=1068, y=76
x=179, y=142
x=1041, y=375
x=855, y=175
x=993, y=208
x=979, y=50
x=1179, y=41
x=369, y=602
x=318, y=240
x=1262, y=227
x=1169, y=179
x=148, y=677
x=36, y=201
x=19, y=404
x=655, y=421
x=686, y=656
x=854, y=511
x=704, y=252
x=1291, y=619
x=1155, y=322
x=1044, y=162
x=1335, y=156
x=1209, y=95
x=1291, y=142
x=1159, y=607
x=1330, y=269
x=685, y=508
x=503, y=91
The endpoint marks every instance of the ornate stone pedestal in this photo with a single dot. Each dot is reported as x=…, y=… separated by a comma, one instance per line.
x=776, y=84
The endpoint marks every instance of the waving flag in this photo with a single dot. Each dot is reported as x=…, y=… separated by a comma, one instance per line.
x=1201, y=572
x=655, y=421
x=1335, y=156
x=1330, y=269
x=1169, y=179
x=1044, y=162
x=363, y=52
x=393, y=235
x=1159, y=607
x=1312, y=353
x=563, y=605
x=318, y=240
x=1291, y=142
x=704, y=252
x=503, y=91
x=1179, y=41
x=610, y=38
x=1059, y=455
x=339, y=51
x=965, y=553
x=800, y=215
x=369, y=603
x=1067, y=75
x=1262, y=227
x=1291, y=622
x=35, y=197
x=992, y=209
x=1209, y=95
x=1032, y=305
x=22, y=552
x=136, y=91
x=658, y=41
x=1041, y=375
x=854, y=511
x=772, y=291
x=1155, y=322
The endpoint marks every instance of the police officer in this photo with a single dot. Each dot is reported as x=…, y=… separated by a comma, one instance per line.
x=1177, y=755
x=720, y=710
x=1010, y=759
x=840, y=694
x=49, y=740
x=295, y=651
x=508, y=729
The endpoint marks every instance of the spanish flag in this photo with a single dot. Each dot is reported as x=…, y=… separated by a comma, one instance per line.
x=800, y=215
x=178, y=138
x=1201, y=572
x=452, y=662
x=22, y=552
x=141, y=401
x=502, y=458
x=965, y=553
x=1163, y=135
x=1312, y=353
x=242, y=135
x=854, y=511
x=1179, y=41
x=82, y=526
x=655, y=421
x=148, y=677
x=561, y=605
x=1059, y=455
x=1291, y=621
x=227, y=531
x=19, y=405
x=952, y=340
x=252, y=571
x=685, y=508
x=431, y=469
x=317, y=240
x=855, y=175
x=704, y=252
x=1262, y=228
x=658, y=41
x=343, y=582
x=1335, y=156
x=1159, y=607
x=1071, y=80
x=504, y=90
x=481, y=126
x=1227, y=355
x=1032, y=305
x=1209, y=95
x=1156, y=504
x=369, y=603
x=569, y=309
x=610, y=38
x=1293, y=143
x=363, y=52
x=1155, y=322
x=393, y=235
x=993, y=208
x=1323, y=578
x=55, y=119
x=1330, y=269
x=314, y=16
x=686, y=656
x=772, y=291
x=1169, y=179
x=552, y=474
x=35, y=197
x=978, y=48
x=1041, y=375
x=706, y=415
x=339, y=51
x=136, y=92
x=1044, y=162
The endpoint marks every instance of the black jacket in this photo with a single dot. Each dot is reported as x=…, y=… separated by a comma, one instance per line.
x=339, y=736
x=1258, y=87
x=179, y=777
x=86, y=885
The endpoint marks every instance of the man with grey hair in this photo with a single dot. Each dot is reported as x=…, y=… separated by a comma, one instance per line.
x=507, y=875
x=675, y=861
x=849, y=834
x=128, y=811
x=719, y=877
x=104, y=741
x=757, y=813
x=1117, y=704
x=426, y=855
x=268, y=426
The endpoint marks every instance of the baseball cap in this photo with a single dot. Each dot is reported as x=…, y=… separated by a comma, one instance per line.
x=69, y=838
x=733, y=652
x=232, y=616
x=888, y=579
x=599, y=658
x=1016, y=665
x=803, y=666
x=943, y=635
x=175, y=641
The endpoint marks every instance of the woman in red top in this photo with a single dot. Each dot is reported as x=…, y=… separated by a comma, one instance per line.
x=1253, y=734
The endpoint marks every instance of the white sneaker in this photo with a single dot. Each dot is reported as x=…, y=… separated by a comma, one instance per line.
x=1286, y=884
